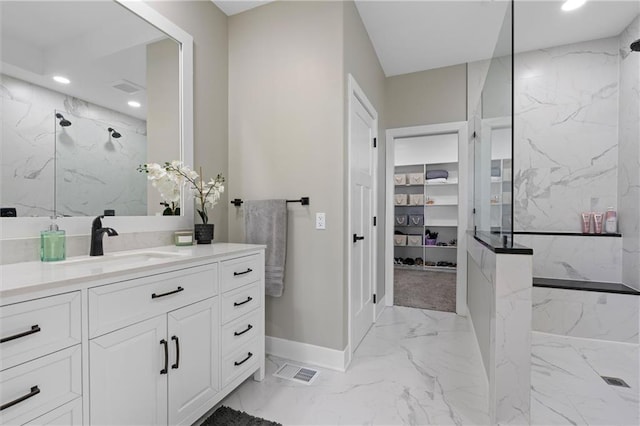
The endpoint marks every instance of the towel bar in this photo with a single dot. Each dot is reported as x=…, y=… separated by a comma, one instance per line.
x=304, y=201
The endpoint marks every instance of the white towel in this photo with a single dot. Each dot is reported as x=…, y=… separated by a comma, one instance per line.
x=265, y=222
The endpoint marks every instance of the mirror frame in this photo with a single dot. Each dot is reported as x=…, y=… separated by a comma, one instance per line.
x=29, y=227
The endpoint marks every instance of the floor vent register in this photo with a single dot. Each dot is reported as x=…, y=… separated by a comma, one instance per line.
x=297, y=374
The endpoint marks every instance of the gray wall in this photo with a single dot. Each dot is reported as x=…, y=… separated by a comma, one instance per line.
x=208, y=26
x=286, y=118
x=426, y=97
x=361, y=61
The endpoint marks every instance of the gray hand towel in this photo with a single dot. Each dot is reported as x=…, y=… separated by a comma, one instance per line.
x=265, y=222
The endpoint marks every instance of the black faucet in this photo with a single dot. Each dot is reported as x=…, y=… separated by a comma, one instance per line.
x=97, y=231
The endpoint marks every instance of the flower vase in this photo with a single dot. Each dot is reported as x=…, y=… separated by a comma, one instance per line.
x=203, y=233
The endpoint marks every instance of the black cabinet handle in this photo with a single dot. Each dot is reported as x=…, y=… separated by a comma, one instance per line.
x=178, y=290
x=177, y=364
x=34, y=391
x=240, y=333
x=249, y=355
x=34, y=329
x=166, y=356
x=235, y=274
x=356, y=238
x=249, y=299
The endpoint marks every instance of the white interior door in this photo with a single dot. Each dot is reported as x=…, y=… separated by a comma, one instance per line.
x=362, y=131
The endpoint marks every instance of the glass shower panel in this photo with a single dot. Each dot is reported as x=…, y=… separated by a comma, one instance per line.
x=493, y=150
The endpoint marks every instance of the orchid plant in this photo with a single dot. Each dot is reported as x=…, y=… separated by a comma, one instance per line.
x=170, y=178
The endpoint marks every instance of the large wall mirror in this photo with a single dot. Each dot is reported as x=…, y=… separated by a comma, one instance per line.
x=90, y=90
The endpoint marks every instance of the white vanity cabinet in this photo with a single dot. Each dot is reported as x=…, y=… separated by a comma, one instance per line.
x=40, y=356
x=156, y=344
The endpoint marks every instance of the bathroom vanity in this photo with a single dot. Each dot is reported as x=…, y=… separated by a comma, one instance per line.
x=154, y=337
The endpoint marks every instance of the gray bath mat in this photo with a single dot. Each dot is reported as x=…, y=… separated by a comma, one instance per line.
x=229, y=417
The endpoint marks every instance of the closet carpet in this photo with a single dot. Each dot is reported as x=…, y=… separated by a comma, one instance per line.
x=425, y=290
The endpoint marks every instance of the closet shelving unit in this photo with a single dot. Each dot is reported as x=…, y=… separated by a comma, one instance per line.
x=501, y=194
x=439, y=210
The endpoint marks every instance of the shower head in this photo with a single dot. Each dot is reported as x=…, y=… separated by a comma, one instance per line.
x=114, y=133
x=635, y=46
x=63, y=121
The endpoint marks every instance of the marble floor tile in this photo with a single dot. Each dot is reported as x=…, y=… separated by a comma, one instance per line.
x=567, y=387
x=414, y=367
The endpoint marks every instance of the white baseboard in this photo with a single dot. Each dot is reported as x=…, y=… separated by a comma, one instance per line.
x=308, y=354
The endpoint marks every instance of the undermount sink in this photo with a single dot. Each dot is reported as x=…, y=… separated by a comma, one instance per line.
x=121, y=258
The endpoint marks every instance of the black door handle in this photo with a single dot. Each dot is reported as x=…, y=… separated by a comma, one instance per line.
x=249, y=299
x=34, y=391
x=166, y=356
x=237, y=363
x=356, y=238
x=177, y=364
x=178, y=290
x=240, y=333
x=34, y=329
x=235, y=274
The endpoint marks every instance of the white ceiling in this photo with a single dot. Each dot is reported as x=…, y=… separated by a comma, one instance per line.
x=410, y=36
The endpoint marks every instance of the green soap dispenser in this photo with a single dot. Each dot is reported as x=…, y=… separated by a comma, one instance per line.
x=52, y=243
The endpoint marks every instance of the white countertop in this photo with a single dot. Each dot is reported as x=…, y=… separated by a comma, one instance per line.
x=28, y=277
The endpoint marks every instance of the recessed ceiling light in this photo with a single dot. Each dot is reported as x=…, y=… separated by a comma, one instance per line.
x=134, y=104
x=62, y=80
x=572, y=4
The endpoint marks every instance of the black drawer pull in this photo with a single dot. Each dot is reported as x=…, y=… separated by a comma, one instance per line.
x=177, y=364
x=34, y=391
x=357, y=238
x=34, y=329
x=249, y=299
x=249, y=355
x=166, y=356
x=235, y=274
x=178, y=290
x=240, y=333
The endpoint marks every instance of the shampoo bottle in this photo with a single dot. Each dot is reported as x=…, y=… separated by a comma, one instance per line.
x=610, y=221
x=52, y=243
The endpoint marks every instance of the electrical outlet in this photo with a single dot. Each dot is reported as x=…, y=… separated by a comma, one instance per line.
x=321, y=221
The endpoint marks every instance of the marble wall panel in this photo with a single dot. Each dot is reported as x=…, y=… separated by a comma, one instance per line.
x=566, y=145
x=589, y=314
x=629, y=155
x=30, y=133
x=575, y=257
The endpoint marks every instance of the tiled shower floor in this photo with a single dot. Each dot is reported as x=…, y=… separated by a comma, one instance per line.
x=419, y=367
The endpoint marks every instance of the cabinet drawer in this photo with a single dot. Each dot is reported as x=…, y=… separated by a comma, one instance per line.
x=238, y=302
x=240, y=361
x=241, y=271
x=241, y=331
x=39, y=386
x=68, y=415
x=38, y=327
x=117, y=305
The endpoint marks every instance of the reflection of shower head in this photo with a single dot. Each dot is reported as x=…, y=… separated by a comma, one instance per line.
x=635, y=46
x=63, y=121
x=114, y=133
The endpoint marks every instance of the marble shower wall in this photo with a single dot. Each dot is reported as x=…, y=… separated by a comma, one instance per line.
x=566, y=143
x=629, y=155
x=94, y=171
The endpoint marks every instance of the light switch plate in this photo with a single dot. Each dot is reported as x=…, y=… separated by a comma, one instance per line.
x=321, y=221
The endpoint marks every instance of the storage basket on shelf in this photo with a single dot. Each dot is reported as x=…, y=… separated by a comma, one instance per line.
x=414, y=240
x=400, y=199
x=416, y=220
x=401, y=220
x=400, y=179
x=415, y=178
x=416, y=199
x=400, y=240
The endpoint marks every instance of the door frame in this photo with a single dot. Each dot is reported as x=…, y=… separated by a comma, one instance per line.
x=461, y=129
x=355, y=93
